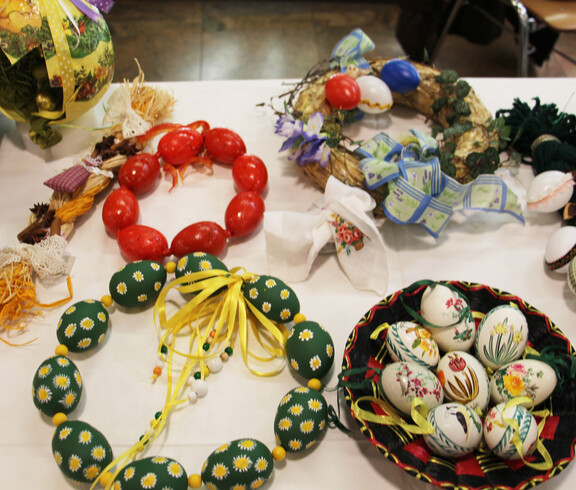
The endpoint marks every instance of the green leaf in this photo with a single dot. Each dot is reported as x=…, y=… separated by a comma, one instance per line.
x=457, y=128
x=447, y=76
x=438, y=104
x=462, y=89
x=461, y=107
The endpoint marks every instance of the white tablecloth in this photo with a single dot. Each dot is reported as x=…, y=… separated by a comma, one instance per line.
x=119, y=398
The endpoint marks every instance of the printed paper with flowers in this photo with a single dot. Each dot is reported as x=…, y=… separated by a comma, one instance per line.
x=419, y=192
x=347, y=237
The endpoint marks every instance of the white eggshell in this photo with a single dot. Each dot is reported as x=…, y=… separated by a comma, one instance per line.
x=410, y=342
x=464, y=380
x=572, y=275
x=458, y=337
x=441, y=306
x=549, y=191
x=560, y=248
x=402, y=382
x=498, y=434
x=525, y=377
x=375, y=96
x=457, y=430
x=501, y=336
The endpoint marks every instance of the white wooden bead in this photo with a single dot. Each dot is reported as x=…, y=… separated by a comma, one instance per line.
x=215, y=365
x=200, y=387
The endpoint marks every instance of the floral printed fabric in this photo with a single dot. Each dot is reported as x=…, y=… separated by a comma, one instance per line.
x=419, y=192
x=343, y=216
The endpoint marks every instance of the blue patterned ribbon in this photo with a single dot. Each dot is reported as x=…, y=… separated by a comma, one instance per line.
x=350, y=50
x=419, y=192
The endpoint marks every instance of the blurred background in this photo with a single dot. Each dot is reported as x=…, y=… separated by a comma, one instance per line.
x=177, y=40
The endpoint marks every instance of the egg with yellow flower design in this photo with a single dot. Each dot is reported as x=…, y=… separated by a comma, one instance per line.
x=501, y=336
x=152, y=472
x=137, y=283
x=81, y=451
x=301, y=419
x=57, y=386
x=410, y=342
x=242, y=463
x=83, y=325
x=310, y=350
x=273, y=297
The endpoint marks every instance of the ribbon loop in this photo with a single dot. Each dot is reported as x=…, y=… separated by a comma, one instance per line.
x=350, y=50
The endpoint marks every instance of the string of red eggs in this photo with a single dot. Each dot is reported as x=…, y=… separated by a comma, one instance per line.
x=182, y=146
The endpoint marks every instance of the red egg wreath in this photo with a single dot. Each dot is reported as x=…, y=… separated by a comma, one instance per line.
x=180, y=147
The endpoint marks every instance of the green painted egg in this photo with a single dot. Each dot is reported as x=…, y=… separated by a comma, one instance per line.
x=310, y=350
x=83, y=326
x=137, y=283
x=272, y=297
x=57, y=386
x=198, y=262
x=300, y=419
x=80, y=450
x=156, y=472
x=243, y=463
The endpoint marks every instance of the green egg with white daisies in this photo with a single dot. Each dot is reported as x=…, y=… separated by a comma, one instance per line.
x=193, y=263
x=242, y=463
x=57, y=386
x=301, y=419
x=153, y=472
x=81, y=451
x=273, y=297
x=310, y=350
x=137, y=283
x=83, y=325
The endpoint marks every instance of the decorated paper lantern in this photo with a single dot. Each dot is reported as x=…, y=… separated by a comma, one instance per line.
x=57, y=61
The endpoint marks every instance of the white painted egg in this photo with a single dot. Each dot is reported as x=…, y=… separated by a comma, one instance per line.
x=464, y=380
x=550, y=191
x=410, y=342
x=402, y=382
x=442, y=306
x=501, y=336
x=498, y=433
x=457, y=430
x=458, y=337
x=560, y=249
x=525, y=377
x=375, y=96
x=572, y=275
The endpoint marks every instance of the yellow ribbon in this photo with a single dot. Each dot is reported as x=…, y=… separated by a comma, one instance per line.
x=419, y=412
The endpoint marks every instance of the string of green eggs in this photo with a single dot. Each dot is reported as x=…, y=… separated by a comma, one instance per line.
x=82, y=452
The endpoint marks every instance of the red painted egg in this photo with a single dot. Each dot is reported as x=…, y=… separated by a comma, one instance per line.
x=180, y=146
x=224, y=145
x=244, y=213
x=139, y=242
x=139, y=173
x=250, y=174
x=342, y=92
x=204, y=236
x=120, y=209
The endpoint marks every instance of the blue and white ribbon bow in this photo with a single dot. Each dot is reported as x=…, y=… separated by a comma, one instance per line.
x=350, y=50
x=344, y=217
x=419, y=192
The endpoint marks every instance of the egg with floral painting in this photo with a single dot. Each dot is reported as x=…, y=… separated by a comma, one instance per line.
x=81, y=451
x=310, y=350
x=57, y=386
x=457, y=430
x=83, y=325
x=531, y=378
x=198, y=262
x=442, y=306
x=300, y=420
x=410, y=342
x=152, y=472
x=242, y=463
x=502, y=336
x=456, y=337
x=464, y=380
x=500, y=434
x=272, y=297
x=138, y=283
x=402, y=382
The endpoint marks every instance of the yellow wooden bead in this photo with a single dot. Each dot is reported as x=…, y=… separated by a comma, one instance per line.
x=195, y=481
x=107, y=300
x=59, y=418
x=299, y=317
x=61, y=350
x=279, y=453
x=315, y=384
x=170, y=267
x=105, y=478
